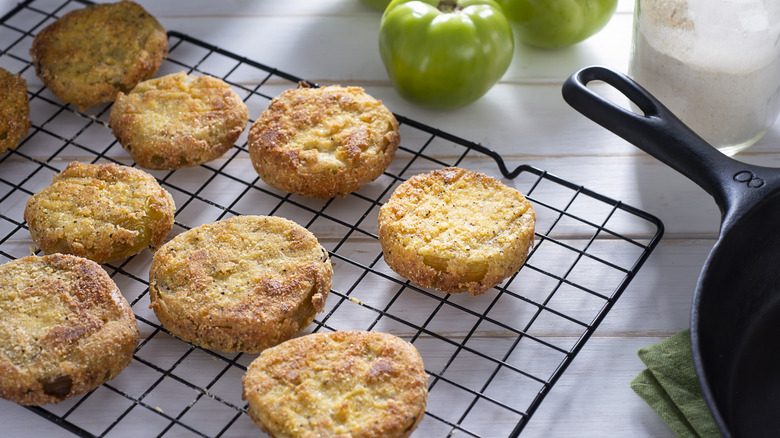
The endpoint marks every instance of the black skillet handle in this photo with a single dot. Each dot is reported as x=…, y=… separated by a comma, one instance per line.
x=661, y=134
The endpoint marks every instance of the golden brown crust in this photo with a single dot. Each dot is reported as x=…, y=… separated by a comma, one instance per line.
x=348, y=384
x=323, y=142
x=240, y=284
x=89, y=55
x=456, y=230
x=14, y=110
x=178, y=120
x=103, y=212
x=65, y=328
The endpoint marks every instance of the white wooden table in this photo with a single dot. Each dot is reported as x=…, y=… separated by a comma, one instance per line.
x=525, y=119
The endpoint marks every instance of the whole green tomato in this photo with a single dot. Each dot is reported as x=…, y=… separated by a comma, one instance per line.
x=445, y=54
x=551, y=24
x=379, y=5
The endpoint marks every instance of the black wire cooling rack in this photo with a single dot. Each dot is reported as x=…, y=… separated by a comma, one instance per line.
x=523, y=333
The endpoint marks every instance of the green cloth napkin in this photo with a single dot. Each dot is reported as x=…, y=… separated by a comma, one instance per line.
x=670, y=386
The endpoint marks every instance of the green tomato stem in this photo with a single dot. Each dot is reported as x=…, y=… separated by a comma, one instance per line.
x=448, y=6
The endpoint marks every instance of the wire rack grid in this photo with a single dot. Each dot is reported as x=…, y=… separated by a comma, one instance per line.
x=523, y=333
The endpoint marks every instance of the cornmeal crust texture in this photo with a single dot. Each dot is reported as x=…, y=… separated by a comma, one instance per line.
x=103, y=212
x=240, y=284
x=14, y=110
x=323, y=142
x=65, y=328
x=346, y=384
x=91, y=54
x=178, y=120
x=456, y=230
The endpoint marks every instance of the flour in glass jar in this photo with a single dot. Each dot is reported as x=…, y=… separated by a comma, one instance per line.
x=714, y=63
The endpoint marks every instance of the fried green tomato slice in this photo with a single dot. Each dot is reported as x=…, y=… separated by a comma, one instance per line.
x=89, y=55
x=102, y=212
x=178, y=120
x=14, y=110
x=240, y=284
x=357, y=384
x=323, y=142
x=65, y=328
x=456, y=230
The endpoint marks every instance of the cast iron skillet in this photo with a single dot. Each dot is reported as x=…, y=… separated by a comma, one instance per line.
x=735, y=314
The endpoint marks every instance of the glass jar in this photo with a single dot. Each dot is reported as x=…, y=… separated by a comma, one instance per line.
x=714, y=63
